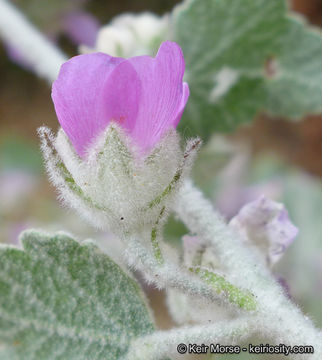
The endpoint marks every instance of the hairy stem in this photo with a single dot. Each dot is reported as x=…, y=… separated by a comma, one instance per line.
x=167, y=343
x=242, y=298
x=169, y=275
x=154, y=239
x=280, y=320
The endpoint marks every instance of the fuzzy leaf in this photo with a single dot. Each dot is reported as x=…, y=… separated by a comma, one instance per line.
x=245, y=56
x=65, y=300
x=296, y=89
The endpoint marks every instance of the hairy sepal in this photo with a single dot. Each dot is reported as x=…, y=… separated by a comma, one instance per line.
x=70, y=180
x=115, y=186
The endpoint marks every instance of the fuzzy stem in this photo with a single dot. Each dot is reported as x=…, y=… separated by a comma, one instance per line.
x=156, y=246
x=18, y=32
x=169, y=275
x=201, y=218
x=281, y=320
x=164, y=343
x=244, y=299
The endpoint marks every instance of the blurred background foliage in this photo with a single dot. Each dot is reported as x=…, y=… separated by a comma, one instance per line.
x=272, y=155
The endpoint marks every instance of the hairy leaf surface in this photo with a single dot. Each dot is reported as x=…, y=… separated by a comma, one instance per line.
x=60, y=299
x=243, y=57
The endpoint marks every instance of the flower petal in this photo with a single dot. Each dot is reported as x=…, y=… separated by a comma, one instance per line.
x=91, y=90
x=163, y=96
x=266, y=226
x=184, y=99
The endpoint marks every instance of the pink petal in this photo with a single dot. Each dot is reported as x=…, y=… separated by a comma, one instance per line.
x=184, y=99
x=91, y=90
x=163, y=95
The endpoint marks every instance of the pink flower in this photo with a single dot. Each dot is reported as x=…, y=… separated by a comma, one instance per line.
x=119, y=115
x=144, y=95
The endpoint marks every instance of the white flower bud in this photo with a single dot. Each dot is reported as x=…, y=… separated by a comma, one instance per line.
x=132, y=34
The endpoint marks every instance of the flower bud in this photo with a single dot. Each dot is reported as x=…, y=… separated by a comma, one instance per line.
x=132, y=34
x=117, y=159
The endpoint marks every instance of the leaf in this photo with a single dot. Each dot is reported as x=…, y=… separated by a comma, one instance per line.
x=64, y=300
x=296, y=89
x=6, y=353
x=245, y=56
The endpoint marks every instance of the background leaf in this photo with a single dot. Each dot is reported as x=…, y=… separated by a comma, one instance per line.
x=244, y=56
x=65, y=300
x=297, y=87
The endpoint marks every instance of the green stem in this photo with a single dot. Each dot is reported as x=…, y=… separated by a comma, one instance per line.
x=243, y=298
x=154, y=239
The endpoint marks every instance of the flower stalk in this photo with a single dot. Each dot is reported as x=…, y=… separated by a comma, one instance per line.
x=166, y=343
